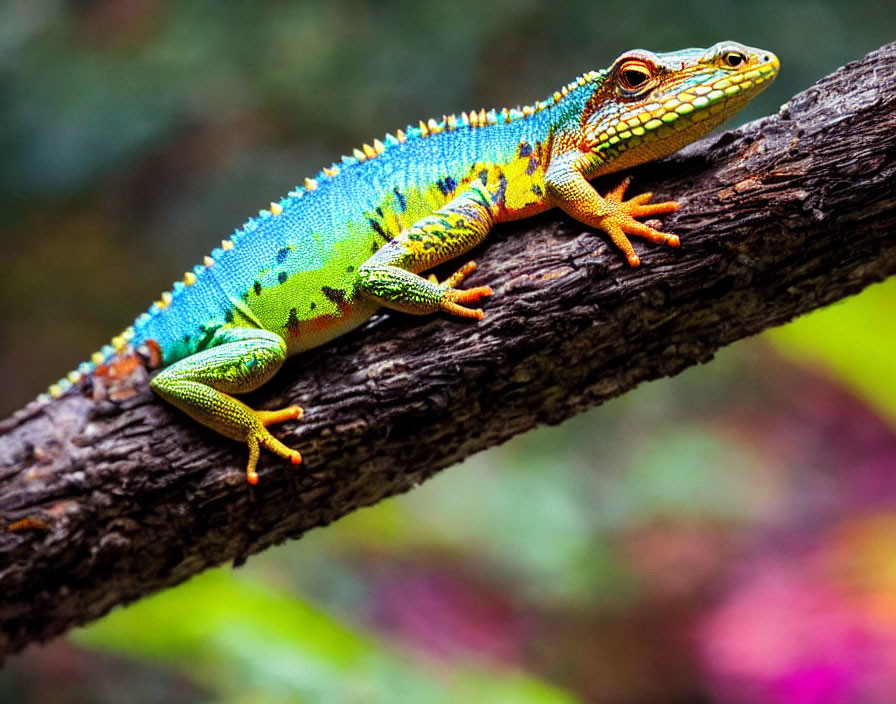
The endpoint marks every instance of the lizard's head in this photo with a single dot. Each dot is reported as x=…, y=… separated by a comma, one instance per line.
x=648, y=105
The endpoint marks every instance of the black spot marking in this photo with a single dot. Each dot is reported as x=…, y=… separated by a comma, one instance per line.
x=536, y=189
x=377, y=228
x=525, y=149
x=208, y=334
x=501, y=193
x=313, y=305
x=292, y=322
x=337, y=295
x=446, y=185
x=187, y=339
x=282, y=276
x=399, y=196
x=228, y=316
x=533, y=166
x=483, y=176
x=257, y=288
x=349, y=269
x=379, y=211
x=282, y=254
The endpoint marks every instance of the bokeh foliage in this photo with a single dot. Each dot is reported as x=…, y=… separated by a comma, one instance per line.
x=723, y=536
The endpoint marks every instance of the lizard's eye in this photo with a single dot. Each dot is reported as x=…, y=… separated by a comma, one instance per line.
x=734, y=59
x=634, y=76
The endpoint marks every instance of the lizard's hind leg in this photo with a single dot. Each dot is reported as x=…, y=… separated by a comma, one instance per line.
x=238, y=360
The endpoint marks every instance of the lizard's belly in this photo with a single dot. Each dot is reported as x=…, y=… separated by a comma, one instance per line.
x=310, y=307
x=301, y=335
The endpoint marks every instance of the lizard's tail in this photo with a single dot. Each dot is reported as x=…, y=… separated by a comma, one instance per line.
x=115, y=360
x=70, y=381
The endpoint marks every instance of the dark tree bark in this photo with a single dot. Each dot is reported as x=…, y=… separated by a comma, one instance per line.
x=103, y=503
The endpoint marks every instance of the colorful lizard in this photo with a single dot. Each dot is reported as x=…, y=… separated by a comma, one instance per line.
x=321, y=260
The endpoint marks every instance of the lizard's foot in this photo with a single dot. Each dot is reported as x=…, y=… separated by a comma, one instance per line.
x=621, y=220
x=453, y=296
x=262, y=438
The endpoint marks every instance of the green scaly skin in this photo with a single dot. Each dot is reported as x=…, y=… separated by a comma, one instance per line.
x=323, y=259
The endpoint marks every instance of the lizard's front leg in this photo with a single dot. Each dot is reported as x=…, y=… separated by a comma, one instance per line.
x=239, y=360
x=390, y=277
x=568, y=189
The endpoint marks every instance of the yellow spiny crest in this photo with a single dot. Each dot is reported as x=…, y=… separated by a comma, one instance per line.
x=400, y=136
x=379, y=146
x=331, y=171
x=433, y=126
x=276, y=208
x=226, y=245
x=207, y=261
x=369, y=151
x=424, y=130
x=189, y=278
x=310, y=184
x=359, y=155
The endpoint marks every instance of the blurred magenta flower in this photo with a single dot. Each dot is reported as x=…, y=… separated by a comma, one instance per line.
x=818, y=627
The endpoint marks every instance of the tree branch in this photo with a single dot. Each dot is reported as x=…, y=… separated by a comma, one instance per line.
x=103, y=503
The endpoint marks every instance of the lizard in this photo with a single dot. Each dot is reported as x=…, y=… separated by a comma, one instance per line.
x=355, y=238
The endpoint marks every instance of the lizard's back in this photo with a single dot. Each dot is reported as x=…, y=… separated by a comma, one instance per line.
x=291, y=269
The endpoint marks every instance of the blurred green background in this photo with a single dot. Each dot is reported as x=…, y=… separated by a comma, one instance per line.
x=725, y=536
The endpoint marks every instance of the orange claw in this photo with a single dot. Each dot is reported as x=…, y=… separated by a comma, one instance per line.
x=620, y=221
x=262, y=438
x=454, y=296
x=284, y=414
x=460, y=311
x=470, y=295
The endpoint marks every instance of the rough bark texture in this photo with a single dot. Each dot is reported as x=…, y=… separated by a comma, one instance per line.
x=102, y=503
